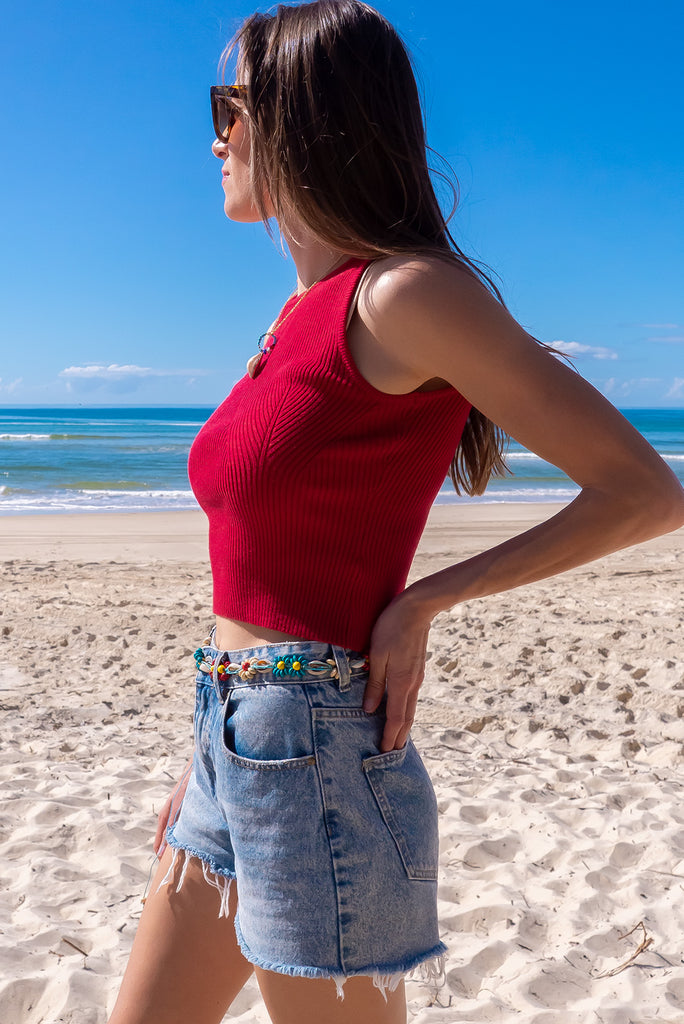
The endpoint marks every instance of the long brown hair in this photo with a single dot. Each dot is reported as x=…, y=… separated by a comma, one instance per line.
x=338, y=143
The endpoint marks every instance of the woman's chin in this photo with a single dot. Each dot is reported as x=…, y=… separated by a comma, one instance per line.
x=241, y=213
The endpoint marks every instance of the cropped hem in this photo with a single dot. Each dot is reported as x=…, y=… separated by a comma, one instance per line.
x=430, y=965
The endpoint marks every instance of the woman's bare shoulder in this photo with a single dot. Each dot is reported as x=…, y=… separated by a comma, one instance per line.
x=400, y=274
x=400, y=293
x=405, y=297
x=397, y=302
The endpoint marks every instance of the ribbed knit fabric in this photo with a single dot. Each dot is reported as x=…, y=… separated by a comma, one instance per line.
x=317, y=486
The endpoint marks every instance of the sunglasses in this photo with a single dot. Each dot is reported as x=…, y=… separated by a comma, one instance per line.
x=224, y=111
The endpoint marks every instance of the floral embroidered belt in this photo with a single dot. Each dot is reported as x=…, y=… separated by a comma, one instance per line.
x=283, y=668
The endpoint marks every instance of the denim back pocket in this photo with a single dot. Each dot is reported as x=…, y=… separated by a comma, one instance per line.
x=407, y=802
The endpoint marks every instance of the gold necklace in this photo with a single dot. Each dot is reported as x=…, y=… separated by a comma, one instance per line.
x=267, y=341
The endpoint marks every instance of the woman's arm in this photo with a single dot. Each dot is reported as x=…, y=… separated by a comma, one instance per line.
x=443, y=323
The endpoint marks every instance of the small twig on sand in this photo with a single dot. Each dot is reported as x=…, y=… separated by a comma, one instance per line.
x=644, y=944
x=74, y=946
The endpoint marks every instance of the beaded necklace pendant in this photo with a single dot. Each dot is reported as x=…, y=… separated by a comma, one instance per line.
x=267, y=341
x=255, y=363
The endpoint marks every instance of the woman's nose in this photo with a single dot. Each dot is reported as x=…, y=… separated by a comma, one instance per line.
x=219, y=149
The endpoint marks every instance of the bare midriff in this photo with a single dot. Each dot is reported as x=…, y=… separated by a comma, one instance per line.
x=233, y=635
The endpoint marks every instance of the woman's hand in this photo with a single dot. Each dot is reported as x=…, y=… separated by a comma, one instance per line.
x=170, y=808
x=397, y=662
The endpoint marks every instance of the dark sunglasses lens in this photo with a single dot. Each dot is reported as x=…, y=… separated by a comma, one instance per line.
x=224, y=117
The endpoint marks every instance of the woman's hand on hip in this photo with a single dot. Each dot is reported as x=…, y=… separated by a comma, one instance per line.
x=397, y=664
x=170, y=809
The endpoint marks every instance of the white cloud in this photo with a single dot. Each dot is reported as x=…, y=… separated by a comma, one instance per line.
x=622, y=388
x=671, y=339
x=118, y=379
x=575, y=348
x=677, y=388
x=662, y=327
x=9, y=388
x=627, y=387
x=117, y=372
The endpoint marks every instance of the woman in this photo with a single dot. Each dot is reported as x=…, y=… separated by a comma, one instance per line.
x=305, y=804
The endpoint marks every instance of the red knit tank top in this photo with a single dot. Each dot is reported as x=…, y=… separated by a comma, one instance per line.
x=317, y=486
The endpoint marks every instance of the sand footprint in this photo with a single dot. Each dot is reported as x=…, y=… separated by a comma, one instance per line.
x=558, y=986
x=19, y=998
x=474, y=814
x=466, y=981
x=604, y=943
x=489, y=851
x=625, y=855
x=604, y=880
x=674, y=993
x=532, y=930
x=479, y=920
x=78, y=998
x=538, y=796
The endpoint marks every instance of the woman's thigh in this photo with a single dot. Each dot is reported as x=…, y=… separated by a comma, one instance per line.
x=185, y=964
x=314, y=1001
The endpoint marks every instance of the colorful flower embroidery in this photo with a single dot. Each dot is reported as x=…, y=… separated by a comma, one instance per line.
x=290, y=666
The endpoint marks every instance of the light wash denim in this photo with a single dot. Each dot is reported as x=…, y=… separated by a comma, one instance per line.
x=333, y=844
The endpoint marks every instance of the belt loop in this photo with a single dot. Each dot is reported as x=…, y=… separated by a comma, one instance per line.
x=215, y=676
x=342, y=662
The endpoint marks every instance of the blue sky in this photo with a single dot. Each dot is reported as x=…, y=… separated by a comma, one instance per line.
x=122, y=282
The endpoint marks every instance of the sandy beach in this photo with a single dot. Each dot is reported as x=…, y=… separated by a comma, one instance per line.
x=551, y=721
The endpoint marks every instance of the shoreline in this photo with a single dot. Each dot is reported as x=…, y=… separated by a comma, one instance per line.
x=182, y=535
x=158, y=507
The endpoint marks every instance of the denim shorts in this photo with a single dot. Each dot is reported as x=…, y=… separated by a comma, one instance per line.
x=333, y=844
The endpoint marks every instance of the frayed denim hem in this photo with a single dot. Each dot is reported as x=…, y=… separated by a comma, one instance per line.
x=218, y=877
x=430, y=968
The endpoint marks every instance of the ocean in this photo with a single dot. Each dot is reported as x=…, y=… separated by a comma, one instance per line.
x=134, y=460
